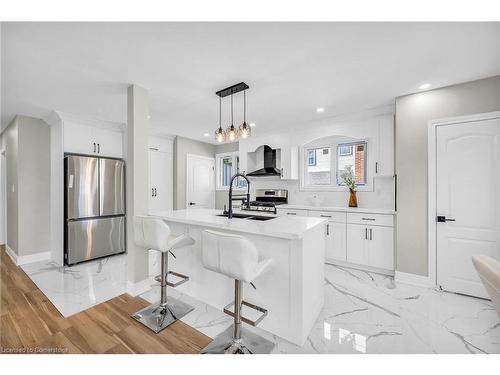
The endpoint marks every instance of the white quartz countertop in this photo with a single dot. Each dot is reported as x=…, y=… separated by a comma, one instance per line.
x=281, y=226
x=338, y=209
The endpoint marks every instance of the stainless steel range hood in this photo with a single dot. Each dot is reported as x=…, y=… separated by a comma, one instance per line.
x=265, y=162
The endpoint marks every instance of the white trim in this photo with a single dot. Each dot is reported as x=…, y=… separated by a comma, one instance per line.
x=412, y=279
x=188, y=155
x=135, y=289
x=432, y=181
x=12, y=255
x=26, y=259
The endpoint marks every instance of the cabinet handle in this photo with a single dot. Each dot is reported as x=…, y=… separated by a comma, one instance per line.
x=98, y=148
x=325, y=215
x=371, y=234
x=376, y=167
x=281, y=172
x=368, y=218
x=156, y=193
x=94, y=146
x=366, y=233
x=327, y=229
x=152, y=192
x=291, y=213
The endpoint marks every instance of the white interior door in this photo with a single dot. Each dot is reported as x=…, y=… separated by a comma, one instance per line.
x=161, y=181
x=200, y=182
x=467, y=197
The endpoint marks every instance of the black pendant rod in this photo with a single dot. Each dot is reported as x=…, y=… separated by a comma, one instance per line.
x=220, y=112
x=232, y=110
x=232, y=89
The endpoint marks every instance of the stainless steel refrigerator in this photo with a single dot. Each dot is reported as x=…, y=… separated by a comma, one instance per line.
x=94, y=207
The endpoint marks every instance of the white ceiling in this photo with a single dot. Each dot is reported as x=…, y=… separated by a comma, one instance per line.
x=292, y=68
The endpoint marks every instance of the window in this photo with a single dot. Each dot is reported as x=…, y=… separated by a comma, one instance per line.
x=311, y=157
x=318, y=169
x=352, y=155
x=227, y=165
x=324, y=161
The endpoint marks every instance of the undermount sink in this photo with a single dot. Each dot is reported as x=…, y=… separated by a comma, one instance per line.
x=249, y=217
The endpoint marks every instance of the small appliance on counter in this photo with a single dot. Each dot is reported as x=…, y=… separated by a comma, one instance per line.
x=94, y=207
x=266, y=200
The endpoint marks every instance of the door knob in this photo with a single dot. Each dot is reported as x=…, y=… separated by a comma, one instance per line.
x=443, y=219
x=192, y=203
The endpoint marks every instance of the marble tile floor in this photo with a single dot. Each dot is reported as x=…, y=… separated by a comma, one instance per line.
x=363, y=312
x=77, y=288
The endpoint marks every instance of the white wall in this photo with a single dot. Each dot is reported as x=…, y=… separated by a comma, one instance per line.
x=412, y=115
x=27, y=144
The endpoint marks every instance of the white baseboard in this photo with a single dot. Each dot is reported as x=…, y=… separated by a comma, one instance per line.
x=26, y=259
x=135, y=289
x=12, y=255
x=412, y=279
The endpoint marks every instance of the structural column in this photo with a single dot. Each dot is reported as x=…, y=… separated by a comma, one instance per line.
x=137, y=177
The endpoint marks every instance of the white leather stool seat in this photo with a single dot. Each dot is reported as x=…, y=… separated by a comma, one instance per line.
x=153, y=233
x=489, y=272
x=232, y=255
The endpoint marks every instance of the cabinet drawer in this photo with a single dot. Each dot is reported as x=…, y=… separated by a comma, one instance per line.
x=370, y=219
x=338, y=217
x=286, y=211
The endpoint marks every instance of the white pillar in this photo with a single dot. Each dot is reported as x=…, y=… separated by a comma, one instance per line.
x=137, y=177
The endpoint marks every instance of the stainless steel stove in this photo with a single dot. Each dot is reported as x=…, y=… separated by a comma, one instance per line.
x=266, y=200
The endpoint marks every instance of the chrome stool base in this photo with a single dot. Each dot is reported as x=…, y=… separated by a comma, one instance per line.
x=157, y=317
x=250, y=343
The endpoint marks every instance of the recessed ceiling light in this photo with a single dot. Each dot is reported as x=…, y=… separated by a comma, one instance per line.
x=206, y=135
x=252, y=124
x=320, y=109
x=424, y=86
x=148, y=117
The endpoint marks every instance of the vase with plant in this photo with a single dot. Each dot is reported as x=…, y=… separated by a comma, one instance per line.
x=347, y=177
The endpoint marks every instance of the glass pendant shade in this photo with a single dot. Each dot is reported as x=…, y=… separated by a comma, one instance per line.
x=231, y=133
x=220, y=135
x=245, y=131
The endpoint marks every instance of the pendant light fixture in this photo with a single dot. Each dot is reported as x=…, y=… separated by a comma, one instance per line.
x=220, y=135
x=244, y=128
x=231, y=131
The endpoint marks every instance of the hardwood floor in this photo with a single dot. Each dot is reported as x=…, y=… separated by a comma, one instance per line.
x=30, y=323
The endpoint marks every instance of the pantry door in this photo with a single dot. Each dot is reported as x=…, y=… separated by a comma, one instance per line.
x=467, y=201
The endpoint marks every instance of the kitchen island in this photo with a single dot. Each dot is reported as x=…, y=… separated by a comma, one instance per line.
x=291, y=289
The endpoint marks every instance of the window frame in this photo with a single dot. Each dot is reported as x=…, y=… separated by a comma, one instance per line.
x=218, y=170
x=333, y=145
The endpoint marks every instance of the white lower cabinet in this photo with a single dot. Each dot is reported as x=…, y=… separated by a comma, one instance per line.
x=357, y=244
x=370, y=245
x=363, y=239
x=336, y=241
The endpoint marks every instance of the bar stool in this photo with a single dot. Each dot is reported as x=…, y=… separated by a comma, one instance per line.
x=236, y=257
x=154, y=234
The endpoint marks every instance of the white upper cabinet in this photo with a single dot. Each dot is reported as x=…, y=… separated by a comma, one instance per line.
x=287, y=161
x=384, y=165
x=92, y=137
